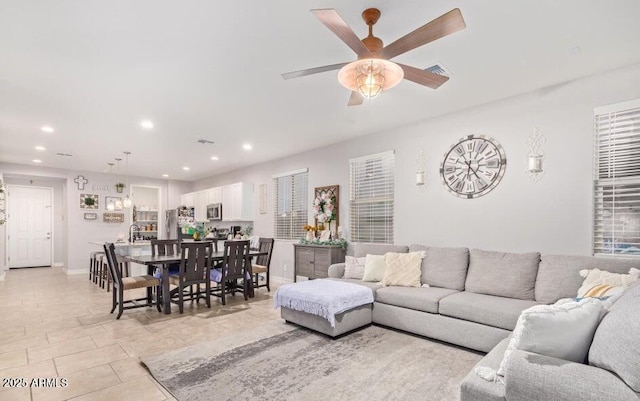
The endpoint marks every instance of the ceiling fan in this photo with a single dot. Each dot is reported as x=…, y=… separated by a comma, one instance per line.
x=373, y=72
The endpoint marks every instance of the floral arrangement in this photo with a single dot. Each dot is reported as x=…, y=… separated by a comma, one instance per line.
x=340, y=242
x=323, y=208
x=308, y=228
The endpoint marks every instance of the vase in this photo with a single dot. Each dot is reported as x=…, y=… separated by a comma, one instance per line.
x=310, y=236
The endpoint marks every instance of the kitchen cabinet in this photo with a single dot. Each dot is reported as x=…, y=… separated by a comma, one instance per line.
x=200, y=207
x=237, y=202
x=313, y=261
x=214, y=195
x=188, y=200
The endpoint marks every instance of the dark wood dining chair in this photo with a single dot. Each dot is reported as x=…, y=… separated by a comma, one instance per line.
x=262, y=263
x=193, y=272
x=235, y=265
x=122, y=284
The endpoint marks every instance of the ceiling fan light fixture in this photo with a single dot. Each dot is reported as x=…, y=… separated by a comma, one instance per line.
x=370, y=76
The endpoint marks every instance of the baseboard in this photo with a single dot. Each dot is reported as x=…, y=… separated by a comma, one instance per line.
x=280, y=280
x=75, y=272
x=58, y=264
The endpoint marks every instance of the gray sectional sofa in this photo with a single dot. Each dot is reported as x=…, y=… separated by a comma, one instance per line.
x=474, y=300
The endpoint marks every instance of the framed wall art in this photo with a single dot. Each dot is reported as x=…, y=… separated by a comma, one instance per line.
x=91, y=216
x=90, y=201
x=115, y=200
x=113, y=217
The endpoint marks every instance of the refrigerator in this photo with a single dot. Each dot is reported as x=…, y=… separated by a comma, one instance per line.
x=174, y=219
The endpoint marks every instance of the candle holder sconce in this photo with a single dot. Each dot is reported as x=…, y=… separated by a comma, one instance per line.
x=535, y=157
x=420, y=169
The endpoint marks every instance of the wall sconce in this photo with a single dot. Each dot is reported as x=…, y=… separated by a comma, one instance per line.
x=420, y=169
x=535, y=157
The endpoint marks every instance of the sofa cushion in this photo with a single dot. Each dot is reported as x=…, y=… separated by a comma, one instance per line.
x=615, y=344
x=474, y=388
x=444, y=267
x=558, y=275
x=362, y=249
x=419, y=298
x=374, y=267
x=511, y=275
x=485, y=309
x=372, y=285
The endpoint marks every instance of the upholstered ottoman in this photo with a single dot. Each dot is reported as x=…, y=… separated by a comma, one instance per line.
x=327, y=306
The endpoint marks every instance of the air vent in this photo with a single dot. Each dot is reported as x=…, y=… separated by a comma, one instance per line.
x=439, y=69
x=64, y=154
x=203, y=141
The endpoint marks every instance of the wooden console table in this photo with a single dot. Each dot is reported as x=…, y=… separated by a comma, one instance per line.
x=313, y=261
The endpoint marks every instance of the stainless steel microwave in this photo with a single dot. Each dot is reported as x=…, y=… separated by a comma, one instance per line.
x=214, y=212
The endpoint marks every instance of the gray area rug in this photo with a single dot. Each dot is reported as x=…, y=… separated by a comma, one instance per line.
x=297, y=364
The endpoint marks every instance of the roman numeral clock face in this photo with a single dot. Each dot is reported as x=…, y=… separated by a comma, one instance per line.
x=473, y=166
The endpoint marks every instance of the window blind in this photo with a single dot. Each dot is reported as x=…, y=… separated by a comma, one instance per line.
x=616, y=225
x=371, y=198
x=290, y=214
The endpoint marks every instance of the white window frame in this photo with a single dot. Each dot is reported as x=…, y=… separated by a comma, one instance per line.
x=372, y=198
x=616, y=180
x=291, y=204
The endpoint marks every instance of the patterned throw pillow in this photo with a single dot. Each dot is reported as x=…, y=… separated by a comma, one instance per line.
x=403, y=269
x=353, y=267
x=600, y=283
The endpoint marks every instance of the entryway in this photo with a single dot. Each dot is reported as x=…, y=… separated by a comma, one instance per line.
x=29, y=226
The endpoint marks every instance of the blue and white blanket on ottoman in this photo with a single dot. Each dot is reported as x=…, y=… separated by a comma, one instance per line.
x=325, y=298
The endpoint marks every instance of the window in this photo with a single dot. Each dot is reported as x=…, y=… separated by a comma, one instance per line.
x=616, y=221
x=371, y=198
x=290, y=214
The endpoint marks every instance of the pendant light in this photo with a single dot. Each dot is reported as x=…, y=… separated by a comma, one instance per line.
x=110, y=204
x=118, y=202
x=127, y=200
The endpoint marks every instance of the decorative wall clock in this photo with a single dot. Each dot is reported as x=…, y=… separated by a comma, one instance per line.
x=473, y=166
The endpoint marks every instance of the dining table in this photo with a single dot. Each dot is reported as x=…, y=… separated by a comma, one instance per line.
x=165, y=261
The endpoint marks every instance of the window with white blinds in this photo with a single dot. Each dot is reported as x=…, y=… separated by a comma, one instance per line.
x=291, y=213
x=616, y=226
x=371, y=198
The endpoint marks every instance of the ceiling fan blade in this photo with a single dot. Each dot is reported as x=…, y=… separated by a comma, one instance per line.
x=355, y=99
x=423, y=77
x=311, y=71
x=332, y=20
x=442, y=26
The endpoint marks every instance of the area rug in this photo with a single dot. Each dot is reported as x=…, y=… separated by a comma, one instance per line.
x=298, y=364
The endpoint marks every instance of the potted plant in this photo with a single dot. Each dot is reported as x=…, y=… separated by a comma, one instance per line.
x=120, y=187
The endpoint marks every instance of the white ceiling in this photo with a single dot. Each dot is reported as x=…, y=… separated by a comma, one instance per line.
x=211, y=69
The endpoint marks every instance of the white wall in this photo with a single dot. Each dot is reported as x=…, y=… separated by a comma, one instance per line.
x=551, y=216
x=2, y=241
x=79, y=231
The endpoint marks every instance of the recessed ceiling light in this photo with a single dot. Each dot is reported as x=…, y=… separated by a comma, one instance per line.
x=37, y=161
x=47, y=128
x=146, y=124
x=165, y=175
x=215, y=158
x=185, y=168
x=247, y=146
x=40, y=148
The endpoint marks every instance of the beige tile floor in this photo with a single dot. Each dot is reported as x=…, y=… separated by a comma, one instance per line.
x=58, y=326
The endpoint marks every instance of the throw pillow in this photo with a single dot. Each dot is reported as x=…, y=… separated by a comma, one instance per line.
x=354, y=267
x=374, y=267
x=403, y=269
x=559, y=331
x=601, y=283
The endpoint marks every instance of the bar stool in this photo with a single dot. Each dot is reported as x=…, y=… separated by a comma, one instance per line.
x=96, y=266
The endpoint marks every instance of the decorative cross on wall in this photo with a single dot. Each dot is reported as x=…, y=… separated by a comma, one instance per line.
x=80, y=180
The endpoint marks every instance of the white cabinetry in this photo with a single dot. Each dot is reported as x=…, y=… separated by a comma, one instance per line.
x=237, y=202
x=188, y=200
x=200, y=207
x=214, y=195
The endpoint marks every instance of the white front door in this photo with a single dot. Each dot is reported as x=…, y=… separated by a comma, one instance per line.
x=29, y=226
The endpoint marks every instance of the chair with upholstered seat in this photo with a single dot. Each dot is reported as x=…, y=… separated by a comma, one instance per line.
x=194, y=271
x=262, y=263
x=235, y=265
x=122, y=284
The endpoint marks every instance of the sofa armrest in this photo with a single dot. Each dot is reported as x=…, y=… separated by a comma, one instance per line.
x=531, y=376
x=336, y=270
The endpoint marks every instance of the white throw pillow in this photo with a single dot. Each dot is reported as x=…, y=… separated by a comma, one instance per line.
x=353, y=267
x=601, y=283
x=374, y=267
x=560, y=331
x=403, y=269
